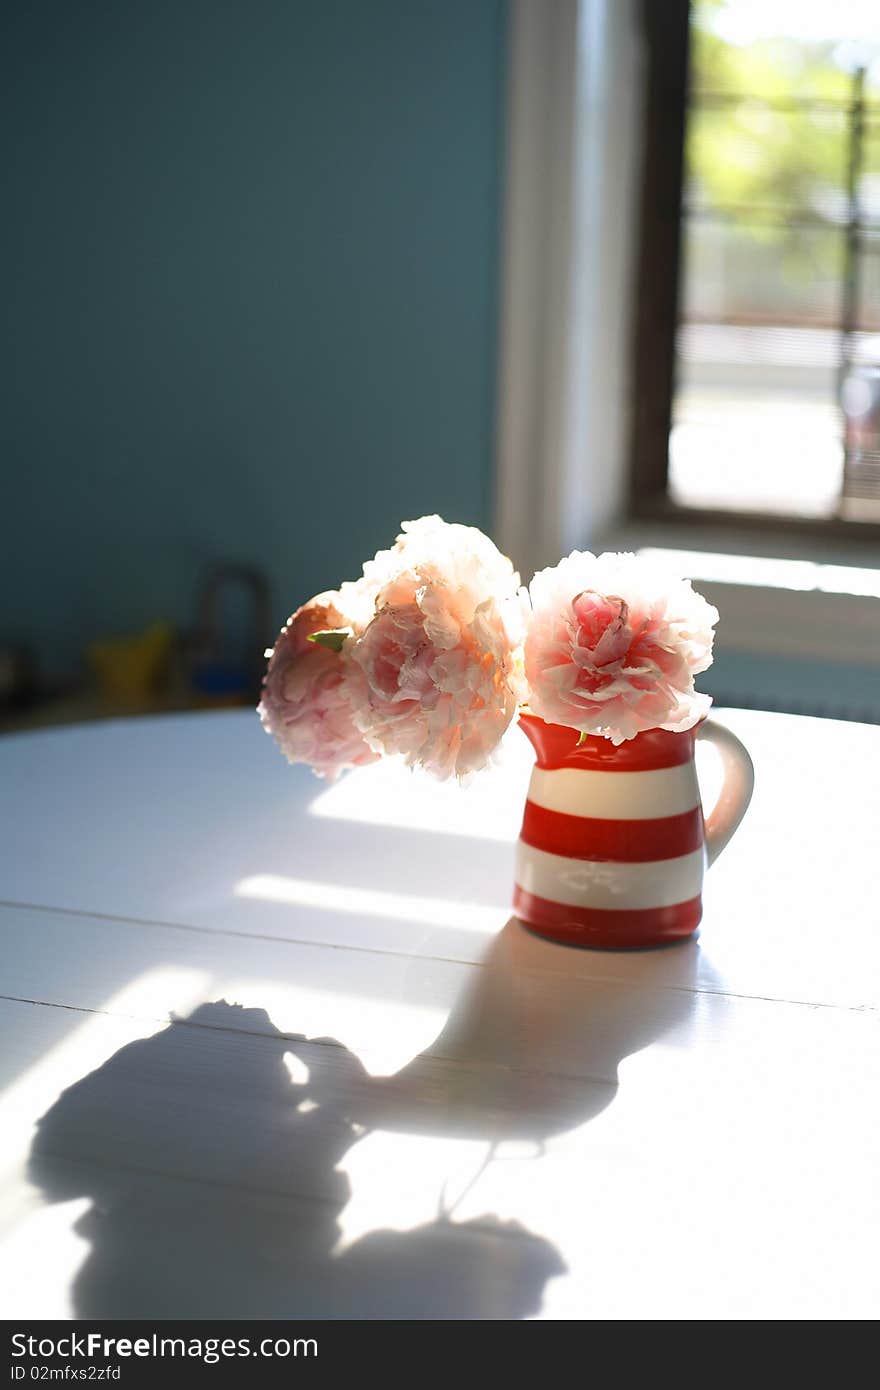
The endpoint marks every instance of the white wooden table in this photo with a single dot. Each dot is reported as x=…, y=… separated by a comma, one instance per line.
x=272, y=1048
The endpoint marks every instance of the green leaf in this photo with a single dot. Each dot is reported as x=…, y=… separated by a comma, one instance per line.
x=583, y=738
x=332, y=639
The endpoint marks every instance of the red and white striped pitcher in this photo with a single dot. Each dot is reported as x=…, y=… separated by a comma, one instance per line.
x=614, y=843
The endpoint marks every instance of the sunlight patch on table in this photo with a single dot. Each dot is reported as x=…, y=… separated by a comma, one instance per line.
x=371, y=902
x=388, y=794
x=40, y=1260
x=401, y=1181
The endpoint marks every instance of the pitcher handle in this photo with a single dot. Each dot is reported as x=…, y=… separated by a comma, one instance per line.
x=736, y=789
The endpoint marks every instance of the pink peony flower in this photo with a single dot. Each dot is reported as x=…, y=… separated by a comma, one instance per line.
x=614, y=644
x=305, y=706
x=437, y=673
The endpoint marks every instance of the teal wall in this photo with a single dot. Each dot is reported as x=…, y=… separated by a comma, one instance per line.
x=252, y=247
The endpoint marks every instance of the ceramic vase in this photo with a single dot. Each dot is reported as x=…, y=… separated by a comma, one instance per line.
x=614, y=843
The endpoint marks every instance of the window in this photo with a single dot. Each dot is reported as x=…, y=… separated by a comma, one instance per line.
x=757, y=354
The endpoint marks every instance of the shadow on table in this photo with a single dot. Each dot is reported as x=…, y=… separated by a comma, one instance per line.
x=213, y=1171
x=533, y=1046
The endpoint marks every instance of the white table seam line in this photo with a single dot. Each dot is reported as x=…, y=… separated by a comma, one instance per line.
x=463, y=961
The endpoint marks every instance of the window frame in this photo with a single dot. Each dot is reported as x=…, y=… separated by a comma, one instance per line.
x=666, y=34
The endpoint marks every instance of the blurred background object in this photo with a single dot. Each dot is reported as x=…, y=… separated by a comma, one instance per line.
x=16, y=677
x=131, y=669
x=226, y=652
x=218, y=660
